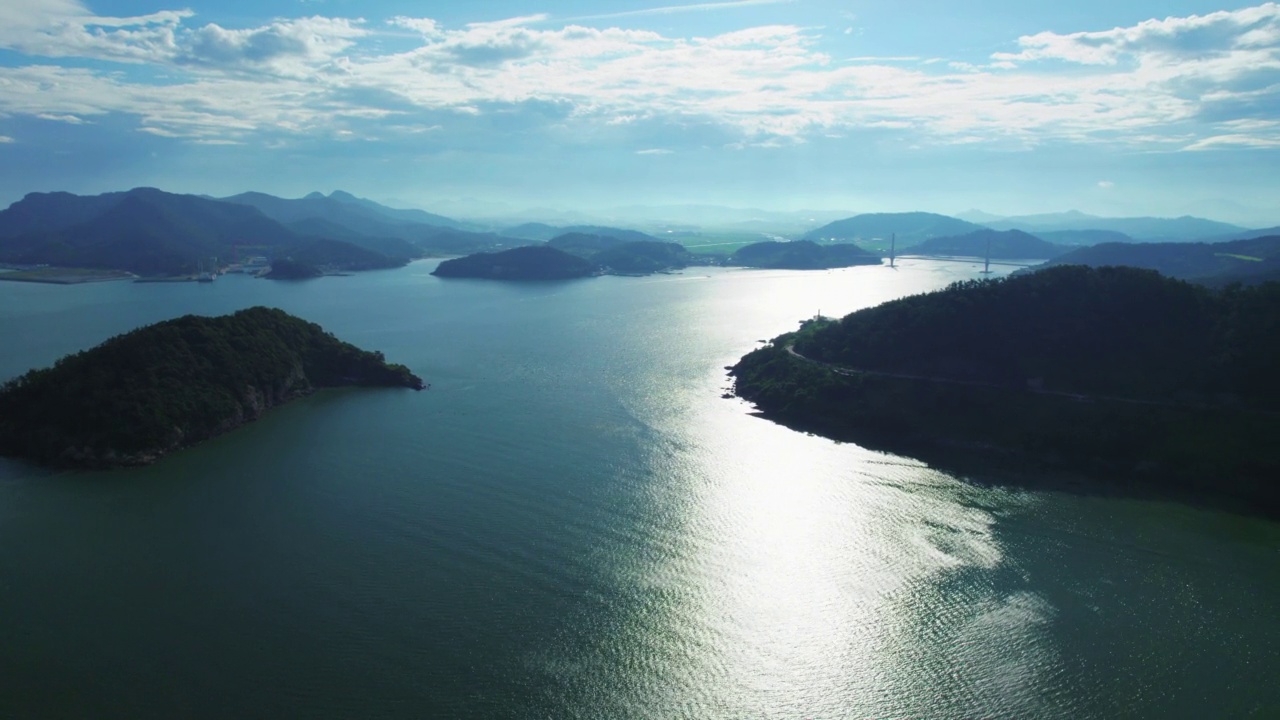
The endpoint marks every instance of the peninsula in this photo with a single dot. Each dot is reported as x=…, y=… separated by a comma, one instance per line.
x=1119, y=372
x=141, y=395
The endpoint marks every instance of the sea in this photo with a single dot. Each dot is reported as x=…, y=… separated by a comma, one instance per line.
x=573, y=522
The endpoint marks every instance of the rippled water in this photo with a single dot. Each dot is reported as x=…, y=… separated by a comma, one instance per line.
x=573, y=523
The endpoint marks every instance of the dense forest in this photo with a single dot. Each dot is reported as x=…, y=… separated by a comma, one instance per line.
x=1108, y=368
x=174, y=383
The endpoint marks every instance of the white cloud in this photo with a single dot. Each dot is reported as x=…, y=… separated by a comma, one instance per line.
x=672, y=9
x=68, y=119
x=1193, y=83
x=305, y=41
x=654, y=151
x=5, y=140
x=1196, y=36
x=1105, y=184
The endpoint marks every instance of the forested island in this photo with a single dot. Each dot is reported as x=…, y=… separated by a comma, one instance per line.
x=801, y=255
x=145, y=393
x=533, y=262
x=1148, y=381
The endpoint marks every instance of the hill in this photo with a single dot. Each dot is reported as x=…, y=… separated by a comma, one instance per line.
x=538, y=262
x=1117, y=371
x=584, y=244
x=801, y=255
x=910, y=227
x=152, y=232
x=643, y=258
x=146, y=231
x=1081, y=237
x=1009, y=244
x=542, y=232
x=143, y=394
x=341, y=216
x=364, y=216
x=1146, y=229
x=1252, y=260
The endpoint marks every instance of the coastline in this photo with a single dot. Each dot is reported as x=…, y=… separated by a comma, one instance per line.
x=1028, y=439
x=64, y=276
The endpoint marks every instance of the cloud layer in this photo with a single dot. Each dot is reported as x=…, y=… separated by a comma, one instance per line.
x=1193, y=83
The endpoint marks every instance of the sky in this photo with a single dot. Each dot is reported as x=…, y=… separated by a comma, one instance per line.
x=1116, y=108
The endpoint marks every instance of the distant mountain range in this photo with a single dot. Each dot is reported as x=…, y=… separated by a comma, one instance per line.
x=1069, y=228
x=152, y=232
x=542, y=232
x=1139, y=228
x=1248, y=261
x=910, y=228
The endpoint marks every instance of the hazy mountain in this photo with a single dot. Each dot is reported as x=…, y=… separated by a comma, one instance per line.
x=318, y=207
x=1082, y=237
x=704, y=215
x=45, y=212
x=389, y=246
x=644, y=257
x=543, y=232
x=583, y=244
x=1006, y=244
x=978, y=216
x=1251, y=260
x=1140, y=228
x=1244, y=235
x=411, y=215
x=152, y=232
x=910, y=227
x=144, y=230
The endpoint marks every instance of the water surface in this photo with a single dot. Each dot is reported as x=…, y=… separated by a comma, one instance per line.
x=573, y=523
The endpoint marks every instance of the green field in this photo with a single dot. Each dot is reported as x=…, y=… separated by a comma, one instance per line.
x=716, y=243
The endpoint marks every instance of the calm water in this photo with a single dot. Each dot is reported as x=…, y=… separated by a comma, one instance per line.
x=574, y=524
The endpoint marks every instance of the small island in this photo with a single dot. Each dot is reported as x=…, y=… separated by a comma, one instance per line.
x=141, y=395
x=801, y=255
x=289, y=269
x=533, y=262
x=1149, y=382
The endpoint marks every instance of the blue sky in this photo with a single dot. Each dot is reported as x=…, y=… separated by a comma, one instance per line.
x=1160, y=108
